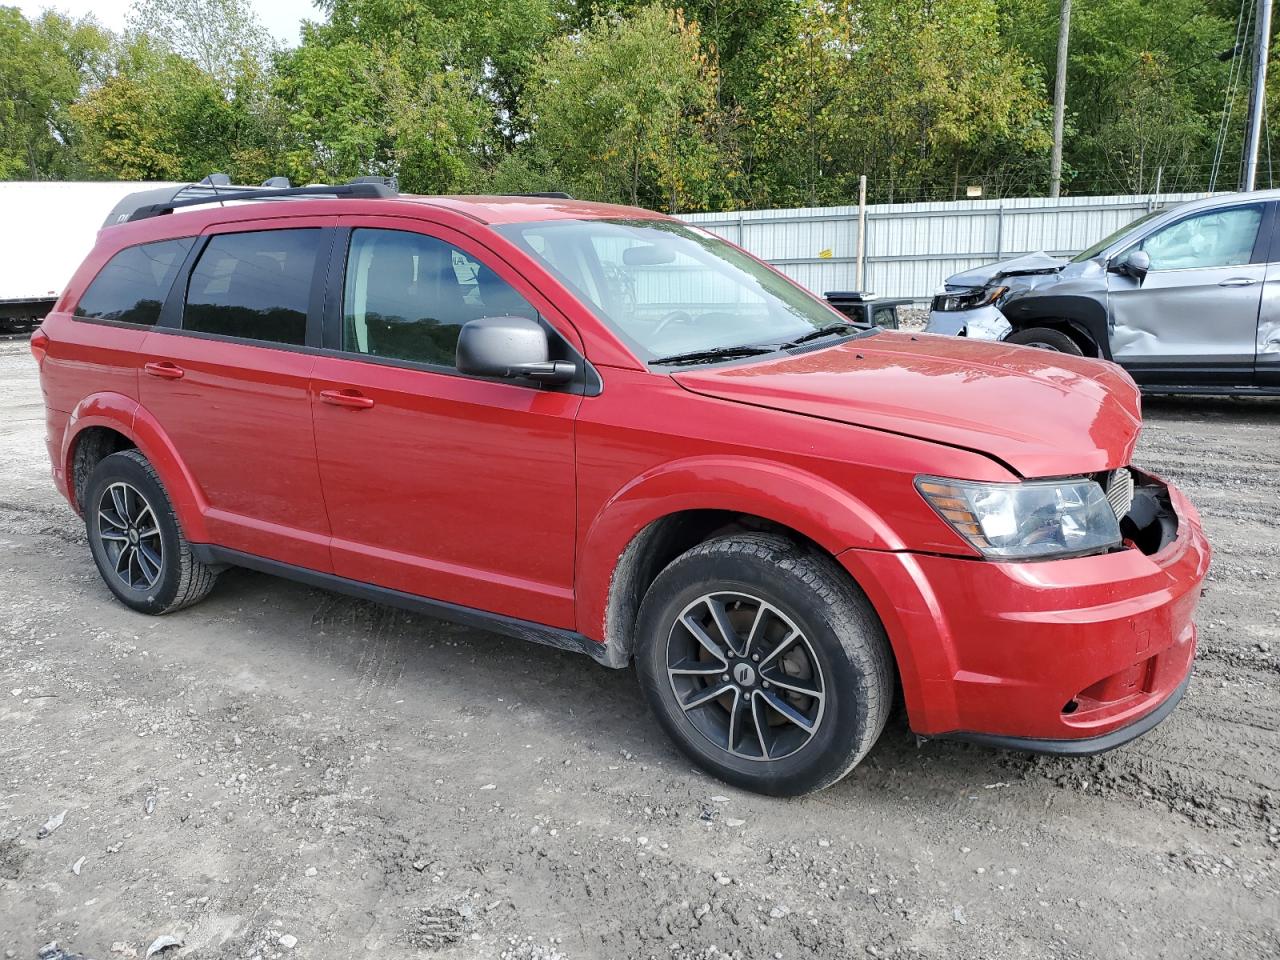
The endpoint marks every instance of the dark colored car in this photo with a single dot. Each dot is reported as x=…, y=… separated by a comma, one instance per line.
x=601, y=429
x=868, y=309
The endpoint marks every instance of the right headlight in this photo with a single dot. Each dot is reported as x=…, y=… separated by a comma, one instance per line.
x=1035, y=520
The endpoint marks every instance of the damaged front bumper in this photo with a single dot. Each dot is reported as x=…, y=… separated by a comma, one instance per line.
x=977, y=323
x=1065, y=656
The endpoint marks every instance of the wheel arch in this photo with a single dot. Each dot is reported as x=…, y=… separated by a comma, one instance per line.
x=663, y=514
x=104, y=423
x=1083, y=319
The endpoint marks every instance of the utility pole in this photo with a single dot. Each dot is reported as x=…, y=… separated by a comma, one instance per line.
x=1257, y=95
x=1060, y=99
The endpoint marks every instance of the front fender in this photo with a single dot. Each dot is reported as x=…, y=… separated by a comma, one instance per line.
x=830, y=516
x=117, y=412
x=1086, y=314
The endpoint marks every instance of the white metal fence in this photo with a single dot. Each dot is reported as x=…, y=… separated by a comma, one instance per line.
x=912, y=247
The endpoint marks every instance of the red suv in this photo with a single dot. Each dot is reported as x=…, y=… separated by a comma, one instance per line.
x=602, y=429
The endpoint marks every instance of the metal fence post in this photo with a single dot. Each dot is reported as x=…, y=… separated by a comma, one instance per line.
x=858, y=273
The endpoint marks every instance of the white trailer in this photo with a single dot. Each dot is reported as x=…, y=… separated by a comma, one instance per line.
x=48, y=229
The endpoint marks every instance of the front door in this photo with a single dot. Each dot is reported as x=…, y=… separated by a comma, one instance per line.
x=1193, y=319
x=227, y=380
x=446, y=486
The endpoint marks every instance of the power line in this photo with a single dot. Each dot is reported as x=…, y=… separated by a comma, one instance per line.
x=1233, y=78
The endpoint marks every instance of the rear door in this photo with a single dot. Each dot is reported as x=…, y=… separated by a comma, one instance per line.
x=439, y=484
x=226, y=375
x=1193, y=319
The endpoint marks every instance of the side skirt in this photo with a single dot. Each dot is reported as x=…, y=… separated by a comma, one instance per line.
x=469, y=616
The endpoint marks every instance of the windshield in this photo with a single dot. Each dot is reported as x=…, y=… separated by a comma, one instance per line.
x=1107, y=241
x=671, y=289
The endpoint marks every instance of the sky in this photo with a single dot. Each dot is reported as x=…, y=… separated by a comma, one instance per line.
x=281, y=17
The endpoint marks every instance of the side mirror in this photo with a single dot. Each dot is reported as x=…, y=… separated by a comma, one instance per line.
x=509, y=347
x=1135, y=265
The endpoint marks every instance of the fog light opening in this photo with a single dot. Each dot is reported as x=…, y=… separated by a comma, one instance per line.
x=1071, y=706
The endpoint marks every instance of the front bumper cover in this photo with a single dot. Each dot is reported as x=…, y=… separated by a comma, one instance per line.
x=1090, y=650
x=1086, y=746
x=979, y=323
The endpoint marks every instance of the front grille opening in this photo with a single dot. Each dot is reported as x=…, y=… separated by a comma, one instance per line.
x=1071, y=706
x=1141, y=504
x=1150, y=525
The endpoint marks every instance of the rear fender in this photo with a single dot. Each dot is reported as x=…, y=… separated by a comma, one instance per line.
x=810, y=505
x=124, y=415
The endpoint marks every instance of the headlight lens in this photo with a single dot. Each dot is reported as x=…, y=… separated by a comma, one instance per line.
x=968, y=299
x=1026, y=521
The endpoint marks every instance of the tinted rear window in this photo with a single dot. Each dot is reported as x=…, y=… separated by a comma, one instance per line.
x=254, y=285
x=132, y=286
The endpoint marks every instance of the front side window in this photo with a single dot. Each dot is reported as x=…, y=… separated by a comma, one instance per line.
x=131, y=288
x=406, y=296
x=254, y=285
x=1217, y=238
x=669, y=288
x=1105, y=242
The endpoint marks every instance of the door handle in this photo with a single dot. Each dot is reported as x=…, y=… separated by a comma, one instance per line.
x=163, y=369
x=351, y=399
x=1238, y=282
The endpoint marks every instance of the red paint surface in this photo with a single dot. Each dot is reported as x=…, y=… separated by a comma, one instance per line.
x=520, y=501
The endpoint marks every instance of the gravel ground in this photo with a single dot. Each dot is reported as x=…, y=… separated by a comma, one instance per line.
x=281, y=772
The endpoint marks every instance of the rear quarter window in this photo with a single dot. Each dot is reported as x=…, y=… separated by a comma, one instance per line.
x=254, y=286
x=133, y=285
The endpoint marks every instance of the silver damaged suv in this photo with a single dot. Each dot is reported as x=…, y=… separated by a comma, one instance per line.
x=1186, y=299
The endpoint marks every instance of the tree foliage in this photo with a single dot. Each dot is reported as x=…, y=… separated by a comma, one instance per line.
x=708, y=104
x=44, y=66
x=625, y=110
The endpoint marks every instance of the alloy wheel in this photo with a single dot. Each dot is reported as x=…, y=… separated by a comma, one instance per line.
x=130, y=536
x=745, y=676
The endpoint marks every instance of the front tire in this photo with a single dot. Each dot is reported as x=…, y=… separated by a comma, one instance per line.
x=1045, y=338
x=135, y=538
x=764, y=663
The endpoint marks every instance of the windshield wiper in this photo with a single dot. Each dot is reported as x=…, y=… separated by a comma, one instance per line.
x=824, y=331
x=715, y=353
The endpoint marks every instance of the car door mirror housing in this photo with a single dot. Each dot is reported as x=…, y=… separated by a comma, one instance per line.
x=1135, y=264
x=511, y=348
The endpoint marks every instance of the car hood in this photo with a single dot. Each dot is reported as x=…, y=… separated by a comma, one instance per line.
x=1030, y=263
x=1042, y=414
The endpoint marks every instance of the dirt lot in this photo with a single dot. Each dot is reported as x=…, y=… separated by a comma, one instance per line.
x=280, y=764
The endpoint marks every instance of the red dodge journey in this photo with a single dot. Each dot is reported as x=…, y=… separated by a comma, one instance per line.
x=602, y=429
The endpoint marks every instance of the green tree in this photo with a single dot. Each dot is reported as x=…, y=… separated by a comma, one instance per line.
x=625, y=111
x=159, y=116
x=44, y=65
x=1145, y=88
x=358, y=110
x=495, y=42
x=914, y=95
x=223, y=38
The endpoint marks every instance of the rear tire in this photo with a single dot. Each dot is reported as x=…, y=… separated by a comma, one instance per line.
x=135, y=538
x=1045, y=338
x=796, y=681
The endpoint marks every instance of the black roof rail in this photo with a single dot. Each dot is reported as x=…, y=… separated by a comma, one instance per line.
x=551, y=195
x=212, y=189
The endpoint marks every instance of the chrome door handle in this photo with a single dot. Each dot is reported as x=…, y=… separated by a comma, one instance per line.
x=1238, y=282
